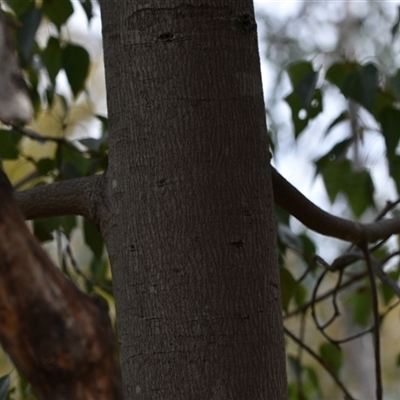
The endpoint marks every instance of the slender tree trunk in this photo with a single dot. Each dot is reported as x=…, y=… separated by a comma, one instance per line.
x=188, y=219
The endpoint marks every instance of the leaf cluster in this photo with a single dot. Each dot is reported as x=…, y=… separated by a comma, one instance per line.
x=311, y=286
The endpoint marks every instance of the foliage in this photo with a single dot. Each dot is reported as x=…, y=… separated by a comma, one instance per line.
x=48, y=150
x=339, y=297
x=311, y=287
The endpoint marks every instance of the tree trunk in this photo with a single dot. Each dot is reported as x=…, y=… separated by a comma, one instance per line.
x=188, y=217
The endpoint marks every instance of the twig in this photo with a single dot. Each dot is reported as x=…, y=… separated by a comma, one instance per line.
x=300, y=356
x=322, y=328
x=36, y=136
x=375, y=312
x=76, y=268
x=324, y=296
x=321, y=361
x=30, y=177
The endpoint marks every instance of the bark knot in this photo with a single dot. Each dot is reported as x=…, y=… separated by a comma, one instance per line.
x=246, y=22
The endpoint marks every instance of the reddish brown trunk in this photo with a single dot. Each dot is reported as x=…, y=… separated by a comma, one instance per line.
x=59, y=338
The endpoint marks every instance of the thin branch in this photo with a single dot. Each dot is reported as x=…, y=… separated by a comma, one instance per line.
x=389, y=206
x=296, y=204
x=375, y=312
x=321, y=361
x=322, y=328
x=324, y=296
x=344, y=260
x=79, y=196
x=302, y=332
x=36, y=136
x=29, y=178
x=77, y=270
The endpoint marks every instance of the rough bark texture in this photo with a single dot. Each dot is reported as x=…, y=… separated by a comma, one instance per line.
x=59, y=338
x=79, y=196
x=188, y=219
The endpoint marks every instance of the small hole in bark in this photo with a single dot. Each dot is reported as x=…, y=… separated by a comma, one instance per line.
x=237, y=244
x=166, y=37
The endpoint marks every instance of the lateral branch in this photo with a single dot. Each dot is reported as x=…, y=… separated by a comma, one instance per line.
x=318, y=220
x=80, y=197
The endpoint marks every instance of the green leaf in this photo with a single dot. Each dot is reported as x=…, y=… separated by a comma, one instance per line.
x=26, y=34
x=100, y=269
x=76, y=61
x=287, y=237
x=339, y=176
x=336, y=154
x=395, y=27
x=344, y=116
x=333, y=175
x=394, y=83
x=298, y=70
x=360, y=302
x=52, y=58
x=293, y=391
x=9, y=141
x=295, y=367
x=104, y=123
x=313, y=378
x=305, y=101
x=25, y=388
x=390, y=122
x=307, y=245
x=58, y=11
x=302, y=116
x=33, y=79
x=338, y=72
x=383, y=100
x=4, y=386
x=304, y=79
x=387, y=292
x=359, y=189
x=68, y=223
x=93, y=238
x=361, y=86
x=332, y=355
x=369, y=84
x=21, y=7
x=288, y=287
x=45, y=165
x=281, y=215
x=73, y=164
x=42, y=230
x=94, y=145
x=300, y=295
x=88, y=8
x=44, y=227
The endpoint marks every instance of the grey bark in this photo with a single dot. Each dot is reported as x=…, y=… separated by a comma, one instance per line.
x=188, y=218
x=71, y=197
